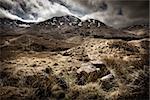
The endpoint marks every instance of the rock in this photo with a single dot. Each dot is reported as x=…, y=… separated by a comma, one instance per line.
x=98, y=64
x=108, y=85
x=55, y=64
x=103, y=71
x=107, y=77
x=87, y=67
x=44, y=61
x=33, y=65
x=90, y=72
x=62, y=83
x=48, y=70
x=81, y=79
x=87, y=73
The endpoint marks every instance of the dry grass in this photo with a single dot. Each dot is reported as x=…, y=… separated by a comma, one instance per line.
x=132, y=80
x=53, y=76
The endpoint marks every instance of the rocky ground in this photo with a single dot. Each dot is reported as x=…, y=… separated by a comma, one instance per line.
x=66, y=59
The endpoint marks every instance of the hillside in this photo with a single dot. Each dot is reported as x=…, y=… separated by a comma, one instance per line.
x=66, y=58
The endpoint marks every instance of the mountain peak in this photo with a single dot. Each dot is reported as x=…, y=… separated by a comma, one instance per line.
x=72, y=21
x=91, y=22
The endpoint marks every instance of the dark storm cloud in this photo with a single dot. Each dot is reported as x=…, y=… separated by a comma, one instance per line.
x=117, y=13
x=132, y=8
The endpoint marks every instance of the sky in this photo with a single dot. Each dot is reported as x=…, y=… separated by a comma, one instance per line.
x=115, y=13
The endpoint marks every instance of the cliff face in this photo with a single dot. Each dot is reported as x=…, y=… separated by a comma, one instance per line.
x=65, y=58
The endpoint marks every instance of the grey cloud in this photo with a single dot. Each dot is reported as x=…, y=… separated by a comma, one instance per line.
x=133, y=8
x=117, y=13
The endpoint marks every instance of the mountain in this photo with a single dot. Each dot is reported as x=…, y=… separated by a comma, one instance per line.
x=11, y=23
x=63, y=20
x=68, y=26
x=72, y=21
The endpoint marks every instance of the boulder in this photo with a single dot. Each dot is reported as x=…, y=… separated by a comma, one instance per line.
x=103, y=71
x=87, y=67
x=87, y=73
x=91, y=71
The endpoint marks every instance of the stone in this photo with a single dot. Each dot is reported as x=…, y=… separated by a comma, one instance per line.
x=109, y=84
x=62, y=83
x=87, y=73
x=81, y=80
x=87, y=67
x=55, y=64
x=107, y=77
x=48, y=70
x=103, y=71
x=34, y=65
x=98, y=63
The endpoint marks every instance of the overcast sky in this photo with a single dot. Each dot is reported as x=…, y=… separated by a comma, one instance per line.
x=116, y=13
